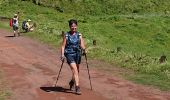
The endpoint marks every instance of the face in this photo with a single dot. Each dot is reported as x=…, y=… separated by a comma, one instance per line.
x=73, y=27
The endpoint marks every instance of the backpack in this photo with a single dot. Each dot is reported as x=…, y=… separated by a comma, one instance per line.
x=24, y=27
x=11, y=22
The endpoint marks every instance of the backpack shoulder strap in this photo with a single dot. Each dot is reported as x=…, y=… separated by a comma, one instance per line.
x=66, y=35
x=79, y=34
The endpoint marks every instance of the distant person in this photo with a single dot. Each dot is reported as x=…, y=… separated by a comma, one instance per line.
x=71, y=49
x=15, y=25
x=27, y=25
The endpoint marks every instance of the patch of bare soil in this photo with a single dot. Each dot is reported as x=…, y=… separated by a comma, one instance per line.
x=31, y=69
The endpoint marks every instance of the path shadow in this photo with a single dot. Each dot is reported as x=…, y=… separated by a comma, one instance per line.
x=9, y=36
x=20, y=34
x=56, y=89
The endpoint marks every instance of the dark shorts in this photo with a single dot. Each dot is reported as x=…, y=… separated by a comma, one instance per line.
x=15, y=27
x=26, y=29
x=73, y=58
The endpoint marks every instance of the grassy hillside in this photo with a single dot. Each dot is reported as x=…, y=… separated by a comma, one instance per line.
x=98, y=7
x=128, y=38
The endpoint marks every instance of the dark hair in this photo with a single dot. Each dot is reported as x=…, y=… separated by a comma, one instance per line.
x=71, y=21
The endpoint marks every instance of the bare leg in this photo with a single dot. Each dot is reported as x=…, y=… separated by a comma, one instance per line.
x=73, y=77
x=14, y=33
x=78, y=68
x=75, y=73
x=18, y=32
x=75, y=70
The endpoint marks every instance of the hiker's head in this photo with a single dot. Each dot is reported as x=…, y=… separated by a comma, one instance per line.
x=15, y=15
x=73, y=25
x=29, y=20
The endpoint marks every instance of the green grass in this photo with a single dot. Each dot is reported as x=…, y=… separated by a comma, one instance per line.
x=134, y=41
x=4, y=25
x=151, y=80
x=102, y=7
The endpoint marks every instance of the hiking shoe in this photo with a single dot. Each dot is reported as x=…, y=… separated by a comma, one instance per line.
x=71, y=83
x=78, y=92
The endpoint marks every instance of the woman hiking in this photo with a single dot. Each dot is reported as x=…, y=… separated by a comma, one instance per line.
x=72, y=46
x=15, y=25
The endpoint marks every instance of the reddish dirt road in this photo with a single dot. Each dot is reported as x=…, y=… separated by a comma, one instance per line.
x=31, y=69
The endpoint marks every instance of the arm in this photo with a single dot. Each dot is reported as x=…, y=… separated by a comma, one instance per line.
x=18, y=15
x=82, y=45
x=18, y=18
x=63, y=46
x=27, y=25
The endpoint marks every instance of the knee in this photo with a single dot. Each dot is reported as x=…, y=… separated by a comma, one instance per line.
x=75, y=72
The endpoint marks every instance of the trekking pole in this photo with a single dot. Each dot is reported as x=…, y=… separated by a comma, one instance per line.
x=59, y=72
x=88, y=70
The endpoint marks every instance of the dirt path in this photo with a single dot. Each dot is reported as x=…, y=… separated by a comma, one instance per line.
x=31, y=69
